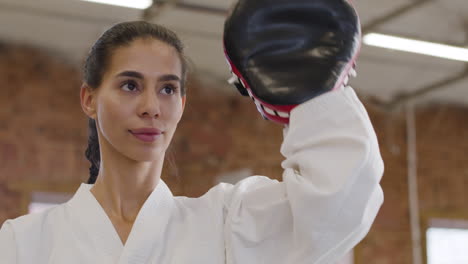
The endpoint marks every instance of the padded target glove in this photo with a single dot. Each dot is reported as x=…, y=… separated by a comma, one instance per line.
x=285, y=52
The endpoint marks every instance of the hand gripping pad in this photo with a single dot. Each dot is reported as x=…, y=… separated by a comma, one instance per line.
x=285, y=52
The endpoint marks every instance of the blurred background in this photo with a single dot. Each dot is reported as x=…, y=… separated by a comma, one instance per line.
x=412, y=77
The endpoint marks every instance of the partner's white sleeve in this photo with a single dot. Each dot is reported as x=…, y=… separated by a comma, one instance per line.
x=329, y=196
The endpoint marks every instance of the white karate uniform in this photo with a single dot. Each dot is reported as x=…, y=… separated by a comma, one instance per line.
x=326, y=203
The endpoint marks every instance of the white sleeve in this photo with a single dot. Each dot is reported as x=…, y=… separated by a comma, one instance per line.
x=7, y=244
x=329, y=196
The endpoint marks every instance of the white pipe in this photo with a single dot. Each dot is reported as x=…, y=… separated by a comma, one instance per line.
x=413, y=184
x=137, y=4
x=416, y=46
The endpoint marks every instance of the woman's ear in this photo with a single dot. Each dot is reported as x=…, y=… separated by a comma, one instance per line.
x=87, y=98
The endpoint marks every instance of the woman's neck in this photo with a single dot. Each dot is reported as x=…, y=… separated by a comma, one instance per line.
x=123, y=185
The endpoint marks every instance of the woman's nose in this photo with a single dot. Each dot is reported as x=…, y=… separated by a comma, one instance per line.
x=149, y=105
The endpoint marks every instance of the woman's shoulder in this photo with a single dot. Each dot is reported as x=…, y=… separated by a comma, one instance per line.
x=35, y=223
x=29, y=234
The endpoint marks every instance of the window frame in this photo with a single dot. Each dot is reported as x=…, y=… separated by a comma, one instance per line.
x=441, y=219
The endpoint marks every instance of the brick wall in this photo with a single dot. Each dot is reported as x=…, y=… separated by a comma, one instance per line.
x=43, y=137
x=442, y=146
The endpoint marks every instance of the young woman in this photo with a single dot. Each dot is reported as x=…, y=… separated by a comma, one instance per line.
x=134, y=95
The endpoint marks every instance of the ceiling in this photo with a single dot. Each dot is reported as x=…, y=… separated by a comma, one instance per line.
x=389, y=77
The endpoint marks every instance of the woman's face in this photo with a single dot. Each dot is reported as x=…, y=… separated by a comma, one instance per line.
x=140, y=89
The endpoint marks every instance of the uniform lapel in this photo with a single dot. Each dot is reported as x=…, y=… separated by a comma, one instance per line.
x=146, y=238
x=92, y=226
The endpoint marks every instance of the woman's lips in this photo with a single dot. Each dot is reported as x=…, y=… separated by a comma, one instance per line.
x=146, y=134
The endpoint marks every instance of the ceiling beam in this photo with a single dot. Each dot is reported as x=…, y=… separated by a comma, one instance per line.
x=365, y=28
x=402, y=98
x=160, y=6
x=203, y=9
x=393, y=14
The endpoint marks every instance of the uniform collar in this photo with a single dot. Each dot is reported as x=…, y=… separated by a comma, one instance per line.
x=147, y=234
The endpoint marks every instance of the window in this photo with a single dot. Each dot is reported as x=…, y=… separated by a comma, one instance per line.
x=447, y=241
x=43, y=200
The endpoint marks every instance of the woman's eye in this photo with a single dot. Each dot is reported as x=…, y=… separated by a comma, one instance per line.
x=168, y=89
x=129, y=86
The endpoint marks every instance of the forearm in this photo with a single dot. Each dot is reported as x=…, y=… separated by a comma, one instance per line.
x=332, y=172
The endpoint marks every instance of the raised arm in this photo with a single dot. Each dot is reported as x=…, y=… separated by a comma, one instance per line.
x=294, y=58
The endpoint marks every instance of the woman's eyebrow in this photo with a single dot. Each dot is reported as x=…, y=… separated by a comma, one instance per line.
x=133, y=74
x=169, y=77
x=138, y=75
